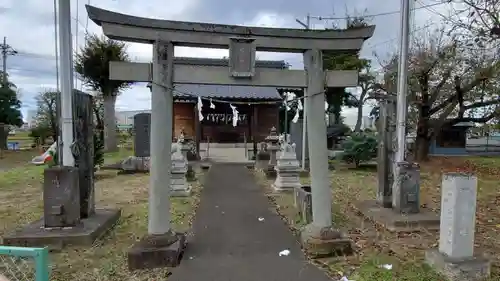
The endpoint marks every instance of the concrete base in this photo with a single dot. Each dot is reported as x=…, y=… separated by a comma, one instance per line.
x=155, y=251
x=398, y=222
x=205, y=166
x=134, y=164
x=325, y=242
x=470, y=269
x=286, y=188
x=286, y=181
x=35, y=235
x=184, y=192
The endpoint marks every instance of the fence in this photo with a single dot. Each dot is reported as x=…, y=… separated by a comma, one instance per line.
x=24, y=264
x=483, y=145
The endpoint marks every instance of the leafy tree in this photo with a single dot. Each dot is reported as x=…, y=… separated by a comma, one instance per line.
x=92, y=64
x=47, y=112
x=10, y=110
x=39, y=134
x=358, y=148
x=338, y=97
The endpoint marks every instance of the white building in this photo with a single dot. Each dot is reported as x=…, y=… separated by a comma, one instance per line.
x=31, y=118
x=126, y=118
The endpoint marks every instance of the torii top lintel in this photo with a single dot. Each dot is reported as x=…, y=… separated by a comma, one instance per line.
x=207, y=35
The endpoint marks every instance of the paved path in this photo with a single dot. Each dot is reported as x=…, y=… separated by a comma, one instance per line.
x=231, y=244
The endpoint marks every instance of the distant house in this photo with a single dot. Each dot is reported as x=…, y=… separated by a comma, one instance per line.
x=454, y=141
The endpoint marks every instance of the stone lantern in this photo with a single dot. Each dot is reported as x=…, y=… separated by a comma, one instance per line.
x=272, y=146
x=287, y=169
x=178, y=183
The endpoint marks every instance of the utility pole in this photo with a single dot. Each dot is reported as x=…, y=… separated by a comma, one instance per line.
x=402, y=93
x=307, y=26
x=7, y=50
x=66, y=73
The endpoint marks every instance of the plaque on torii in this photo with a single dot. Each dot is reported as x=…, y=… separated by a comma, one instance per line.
x=242, y=57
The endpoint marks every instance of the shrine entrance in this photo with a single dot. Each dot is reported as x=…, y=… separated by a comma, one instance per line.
x=218, y=126
x=242, y=42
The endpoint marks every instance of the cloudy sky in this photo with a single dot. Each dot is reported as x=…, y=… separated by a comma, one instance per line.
x=29, y=28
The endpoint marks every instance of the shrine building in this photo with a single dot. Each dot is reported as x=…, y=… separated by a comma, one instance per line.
x=258, y=107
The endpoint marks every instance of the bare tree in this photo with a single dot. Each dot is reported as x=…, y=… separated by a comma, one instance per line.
x=448, y=84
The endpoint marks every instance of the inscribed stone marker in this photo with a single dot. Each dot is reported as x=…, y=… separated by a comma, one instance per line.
x=296, y=131
x=458, y=215
x=61, y=197
x=83, y=149
x=142, y=123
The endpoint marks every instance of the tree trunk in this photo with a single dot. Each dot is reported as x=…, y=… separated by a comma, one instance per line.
x=422, y=141
x=421, y=152
x=110, y=142
x=359, y=119
x=4, y=134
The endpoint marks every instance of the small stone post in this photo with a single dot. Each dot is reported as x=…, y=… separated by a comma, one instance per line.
x=455, y=257
x=178, y=183
x=287, y=169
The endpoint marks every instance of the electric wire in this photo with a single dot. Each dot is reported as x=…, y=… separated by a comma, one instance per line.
x=379, y=14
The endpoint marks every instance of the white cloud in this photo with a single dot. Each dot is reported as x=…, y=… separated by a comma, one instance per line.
x=31, y=32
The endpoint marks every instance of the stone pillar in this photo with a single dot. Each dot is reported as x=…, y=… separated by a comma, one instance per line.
x=386, y=128
x=455, y=257
x=319, y=238
x=178, y=183
x=408, y=182
x=287, y=169
x=161, y=138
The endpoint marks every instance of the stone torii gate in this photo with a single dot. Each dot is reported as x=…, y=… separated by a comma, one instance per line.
x=162, y=246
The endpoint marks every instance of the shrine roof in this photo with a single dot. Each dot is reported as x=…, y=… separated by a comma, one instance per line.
x=226, y=92
x=277, y=64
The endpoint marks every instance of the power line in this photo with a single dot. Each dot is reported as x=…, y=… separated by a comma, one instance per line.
x=378, y=14
x=395, y=38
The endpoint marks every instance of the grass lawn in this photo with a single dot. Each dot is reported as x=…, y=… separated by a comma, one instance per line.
x=22, y=138
x=376, y=247
x=21, y=203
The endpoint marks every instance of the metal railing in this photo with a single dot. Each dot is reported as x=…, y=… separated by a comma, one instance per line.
x=24, y=264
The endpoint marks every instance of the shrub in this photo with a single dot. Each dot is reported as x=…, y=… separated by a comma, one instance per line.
x=358, y=148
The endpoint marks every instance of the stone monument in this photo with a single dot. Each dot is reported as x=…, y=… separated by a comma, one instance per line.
x=296, y=136
x=142, y=135
x=397, y=206
x=262, y=157
x=273, y=147
x=178, y=183
x=139, y=162
x=70, y=216
x=287, y=169
x=455, y=257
